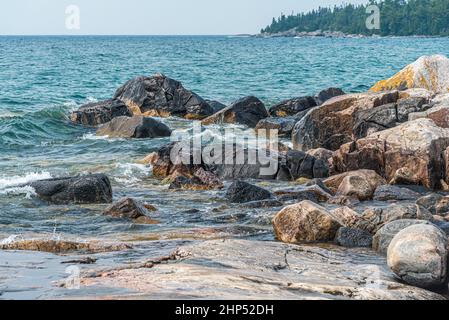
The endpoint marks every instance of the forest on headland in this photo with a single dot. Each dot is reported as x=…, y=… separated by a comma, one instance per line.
x=397, y=18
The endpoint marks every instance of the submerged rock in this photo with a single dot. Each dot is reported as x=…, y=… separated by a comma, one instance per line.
x=292, y=107
x=428, y=72
x=412, y=153
x=305, y=222
x=134, y=127
x=161, y=96
x=241, y=192
x=353, y=238
x=128, y=208
x=385, y=235
x=96, y=113
x=418, y=256
x=247, y=111
x=94, y=188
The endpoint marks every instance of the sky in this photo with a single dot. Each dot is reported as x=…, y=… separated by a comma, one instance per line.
x=146, y=17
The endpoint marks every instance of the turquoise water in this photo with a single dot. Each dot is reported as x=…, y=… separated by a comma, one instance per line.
x=44, y=78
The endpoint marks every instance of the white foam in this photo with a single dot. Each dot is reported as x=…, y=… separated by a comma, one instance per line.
x=130, y=173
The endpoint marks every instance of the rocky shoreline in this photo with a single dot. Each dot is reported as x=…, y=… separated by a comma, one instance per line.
x=369, y=190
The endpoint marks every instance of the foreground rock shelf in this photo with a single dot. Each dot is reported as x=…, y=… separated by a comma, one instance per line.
x=240, y=269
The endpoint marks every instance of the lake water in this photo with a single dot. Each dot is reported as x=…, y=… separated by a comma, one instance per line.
x=42, y=79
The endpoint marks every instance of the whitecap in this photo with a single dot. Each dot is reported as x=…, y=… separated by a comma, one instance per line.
x=14, y=181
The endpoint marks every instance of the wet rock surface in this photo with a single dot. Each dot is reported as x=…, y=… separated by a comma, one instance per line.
x=95, y=188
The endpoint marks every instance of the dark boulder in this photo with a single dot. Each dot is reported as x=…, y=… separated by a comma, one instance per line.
x=292, y=107
x=353, y=238
x=328, y=94
x=96, y=113
x=242, y=192
x=163, y=97
x=247, y=111
x=95, y=188
x=134, y=127
x=284, y=126
x=298, y=164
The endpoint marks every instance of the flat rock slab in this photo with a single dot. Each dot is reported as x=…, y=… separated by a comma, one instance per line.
x=241, y=269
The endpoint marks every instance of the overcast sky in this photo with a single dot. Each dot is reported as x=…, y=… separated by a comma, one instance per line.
x=147, y=17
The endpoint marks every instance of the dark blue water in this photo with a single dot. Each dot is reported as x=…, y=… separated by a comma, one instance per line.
x=43, y=78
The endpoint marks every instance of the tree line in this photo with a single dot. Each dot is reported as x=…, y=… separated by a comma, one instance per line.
x=397, y=18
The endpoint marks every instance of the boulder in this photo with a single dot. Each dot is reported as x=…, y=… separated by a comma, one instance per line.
x=241, y=192
x=312, y=193
x=348, y=217
x=396, y=193
x=385, y=235
x=346, y=184
x=284, y=126
x=247, y=111
x=418, y=256
x=387, y=116
x=292, y=107
x=438, y=111
x=353, y=238
x=412, y=153
x=328, y=94
x=134, y=127
x=96, y=113
x=373, y=219
x=305, y=222
x=428, y=72
x=298, y=164
x=94, y=188
x=161, y=96
x=331, y=125
x=128, y=208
